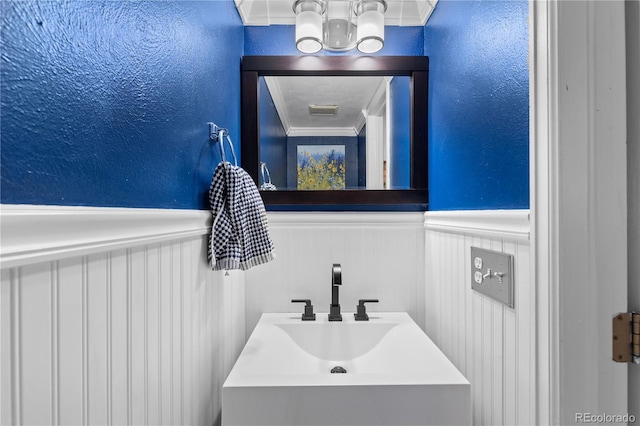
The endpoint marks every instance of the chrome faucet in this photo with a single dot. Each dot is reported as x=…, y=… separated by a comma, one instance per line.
x=336, y=280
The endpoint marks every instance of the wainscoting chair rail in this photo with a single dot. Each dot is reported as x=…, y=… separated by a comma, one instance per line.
x=43, y=233
x=511, y=224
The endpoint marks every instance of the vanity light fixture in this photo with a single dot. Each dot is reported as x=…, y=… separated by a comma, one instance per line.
x=339, y=25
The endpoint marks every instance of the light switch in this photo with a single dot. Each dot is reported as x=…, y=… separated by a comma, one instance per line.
x=492, y=274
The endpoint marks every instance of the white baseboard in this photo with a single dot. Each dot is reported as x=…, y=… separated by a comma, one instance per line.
x=34, y=233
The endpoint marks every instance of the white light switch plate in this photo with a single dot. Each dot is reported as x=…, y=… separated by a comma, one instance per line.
x=492, y=274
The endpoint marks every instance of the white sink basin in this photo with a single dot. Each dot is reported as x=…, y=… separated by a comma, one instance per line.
x=334, y=340
x=395, y=375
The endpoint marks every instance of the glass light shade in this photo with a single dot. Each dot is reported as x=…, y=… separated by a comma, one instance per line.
x=370, y=31
x=309, y=31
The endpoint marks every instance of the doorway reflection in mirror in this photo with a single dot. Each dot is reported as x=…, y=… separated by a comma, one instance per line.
x=368, y=117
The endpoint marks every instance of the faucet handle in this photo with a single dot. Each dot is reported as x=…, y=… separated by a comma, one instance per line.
x=361, y=313
x=308, y=314
x=336, y=274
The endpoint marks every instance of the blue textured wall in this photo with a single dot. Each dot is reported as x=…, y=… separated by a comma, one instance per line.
x=273, y=139
x=400, y=147
x=280, y=40
x=478, y=105
x=105, y=103
x=362, y=157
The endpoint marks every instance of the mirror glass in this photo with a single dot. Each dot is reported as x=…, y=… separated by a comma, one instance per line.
x=334, y=132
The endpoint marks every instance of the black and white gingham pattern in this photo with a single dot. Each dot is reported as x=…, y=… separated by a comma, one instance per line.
x=239, y=234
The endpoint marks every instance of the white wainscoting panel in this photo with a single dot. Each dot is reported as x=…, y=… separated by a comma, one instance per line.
x=143, y=333
x=381, y=256
x=491, y=344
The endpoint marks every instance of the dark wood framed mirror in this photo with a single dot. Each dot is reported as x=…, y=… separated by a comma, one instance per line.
x=412, y=196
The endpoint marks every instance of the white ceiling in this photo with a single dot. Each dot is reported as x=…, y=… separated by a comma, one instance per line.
x=293, y=95
x=406, y=13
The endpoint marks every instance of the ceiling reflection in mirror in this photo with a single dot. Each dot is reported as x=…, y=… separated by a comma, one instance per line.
x=334, y=132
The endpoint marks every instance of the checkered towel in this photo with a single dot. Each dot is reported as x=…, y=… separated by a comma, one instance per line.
x=239, y=234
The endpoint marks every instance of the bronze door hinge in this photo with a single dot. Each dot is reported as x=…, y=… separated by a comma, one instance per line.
x=626, y=337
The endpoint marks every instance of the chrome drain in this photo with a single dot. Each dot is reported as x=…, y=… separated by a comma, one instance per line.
x=338, y=370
